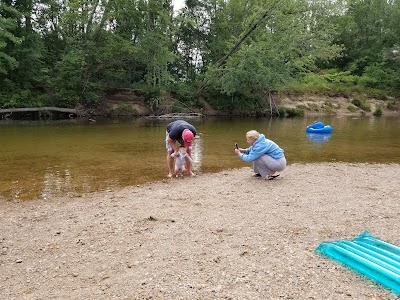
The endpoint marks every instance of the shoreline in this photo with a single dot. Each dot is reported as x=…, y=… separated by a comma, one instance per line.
x=224, y=235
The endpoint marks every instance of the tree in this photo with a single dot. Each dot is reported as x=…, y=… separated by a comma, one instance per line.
x=156, y=43
x=8, y=17
x=369, y=32
x=283, y=40
x=26, y=51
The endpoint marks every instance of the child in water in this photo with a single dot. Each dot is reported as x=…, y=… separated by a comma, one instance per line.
x=180, y=157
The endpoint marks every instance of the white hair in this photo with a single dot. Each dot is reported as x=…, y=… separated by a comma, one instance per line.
x=253, y=134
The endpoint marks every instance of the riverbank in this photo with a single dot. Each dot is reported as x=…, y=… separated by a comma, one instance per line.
x=214, y=236
x=124, y=103
x=339, y=105
x=327, y=103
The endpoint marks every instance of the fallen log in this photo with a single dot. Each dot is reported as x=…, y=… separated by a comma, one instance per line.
x=178, y=116
x=36, y=109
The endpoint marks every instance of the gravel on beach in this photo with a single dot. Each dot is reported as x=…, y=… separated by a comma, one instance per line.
x=214, y=236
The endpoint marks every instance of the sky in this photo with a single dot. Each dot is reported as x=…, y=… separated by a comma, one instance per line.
x=178, y=4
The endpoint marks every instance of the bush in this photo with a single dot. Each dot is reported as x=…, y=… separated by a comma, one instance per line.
x=181, y=91
x=361, y=103
x=282, y=111
x=338, y=77
x=392, y=104
x=378, y=111
x=124, y=109
x=365, y=106
x=178, y=108
x=356, y=102
x=198, y=104
x=352, y=108
x=294, y=112
x=20, y=98
x=376, y=76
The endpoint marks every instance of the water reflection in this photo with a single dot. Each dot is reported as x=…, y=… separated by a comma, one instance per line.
x=46, y=159
x=197, y=153
x=319, y=137
x=56, y=182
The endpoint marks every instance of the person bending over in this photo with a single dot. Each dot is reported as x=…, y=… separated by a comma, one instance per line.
x=182, y=132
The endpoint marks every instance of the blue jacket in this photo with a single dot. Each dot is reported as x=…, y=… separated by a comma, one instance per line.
x=260, y=147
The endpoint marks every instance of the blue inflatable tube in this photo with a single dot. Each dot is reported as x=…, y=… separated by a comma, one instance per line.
x=319, y=127
x=374, y=258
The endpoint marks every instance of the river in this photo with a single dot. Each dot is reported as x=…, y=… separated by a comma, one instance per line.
x=41, y=159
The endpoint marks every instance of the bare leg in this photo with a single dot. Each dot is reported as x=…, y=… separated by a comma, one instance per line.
x=189, y=164
x=170, y=163
x=183, y=170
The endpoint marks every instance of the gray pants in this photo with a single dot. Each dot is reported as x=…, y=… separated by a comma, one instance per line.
x=265, y=165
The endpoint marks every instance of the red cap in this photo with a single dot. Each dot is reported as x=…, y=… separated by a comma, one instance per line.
x=187, y=137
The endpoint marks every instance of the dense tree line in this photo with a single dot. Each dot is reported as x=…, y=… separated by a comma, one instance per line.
x=232, y=52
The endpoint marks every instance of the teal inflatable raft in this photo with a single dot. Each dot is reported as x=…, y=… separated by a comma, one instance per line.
x=372, y=257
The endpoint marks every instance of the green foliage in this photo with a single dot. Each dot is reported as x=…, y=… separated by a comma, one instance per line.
x=338, y=77
x=361, y=103
x=313, y=79
x=392, y=104
x=155, y=44
x=65, y=53
x=294, y=112
x=369, y=31
x=31, y=72
x=378, y=111
x=124, y=110
x=68, y=81
x=366, y=29
x=356, y=102
x=282, y=47
x=156, y=57
x=352, y=108
x=197, y=103
x=376, y=76
x=328, y=107
x=365, y=106
x=282, y=111
x=181, y=91
x=113, y=62
x=19, y=99
x=156, y=103
x=178, y=108
x=149, y=92
x=8, y=39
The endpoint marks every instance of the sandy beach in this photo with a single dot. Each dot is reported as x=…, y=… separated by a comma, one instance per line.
x=215, y=236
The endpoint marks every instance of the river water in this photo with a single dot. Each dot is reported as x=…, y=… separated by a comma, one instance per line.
x=71, y=157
